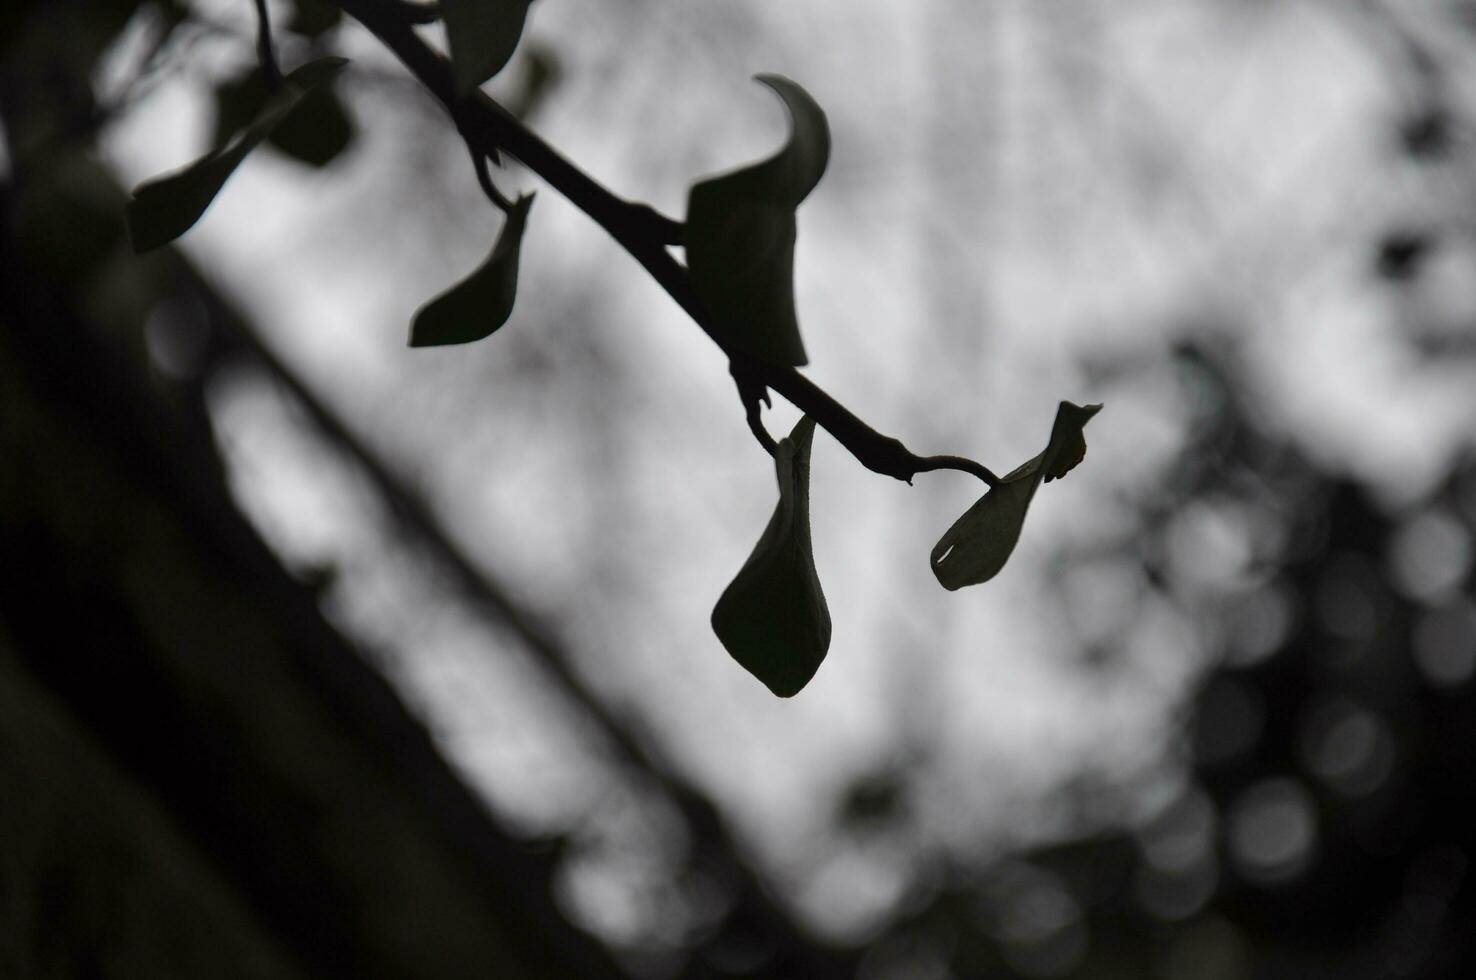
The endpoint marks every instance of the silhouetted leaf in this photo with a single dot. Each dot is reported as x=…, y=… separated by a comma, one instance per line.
x=166, y=207
x=540, y=74
x=483, y=34
x=979, y=543
x=312, y=18
x=772, y=618
x=740, y=235
x=482, y=302
x=315, y=131
x=238, y=102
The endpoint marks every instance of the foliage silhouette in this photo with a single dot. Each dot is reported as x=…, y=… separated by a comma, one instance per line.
x=772, y=618
x=1387, y=889
x=167, y=207
x=979, y=543
x=741, y=231
x=482, y=302
x=315, y=131
x=482, y=35
x=738, y=287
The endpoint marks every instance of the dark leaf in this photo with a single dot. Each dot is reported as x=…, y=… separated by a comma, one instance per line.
x=166, y=207
x=540, y=75
x=238, y=103
x=312, y=18
x=482, y=302
x=315, y=131
x=979, y=543
x=772, y=618
x=740, y=235
x=482, y=35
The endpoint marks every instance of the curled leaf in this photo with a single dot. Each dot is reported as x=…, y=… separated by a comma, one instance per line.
x=979, y=543
x=482, y=302
x=482, y=35
x=772, y=617
x=740, y=235
x=166, y=207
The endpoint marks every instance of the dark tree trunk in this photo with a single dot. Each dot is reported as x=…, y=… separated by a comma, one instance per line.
x=198, y=776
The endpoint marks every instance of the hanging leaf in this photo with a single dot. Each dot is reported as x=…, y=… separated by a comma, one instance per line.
x=315, y=131
x=772, y=618
x=740, y=235
x=482, y=302
x=482, y=35
x=979, y=543
x=166, y=207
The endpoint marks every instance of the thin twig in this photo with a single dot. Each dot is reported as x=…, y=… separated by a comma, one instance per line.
x=484, y=177
x=753, y=393
x=487, y=127
x=933, y=463
x=265, y=51
x=755, y=418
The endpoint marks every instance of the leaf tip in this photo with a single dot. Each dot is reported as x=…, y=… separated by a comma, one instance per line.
x=1068, y=445
x=481, y=303
x=1083, y=412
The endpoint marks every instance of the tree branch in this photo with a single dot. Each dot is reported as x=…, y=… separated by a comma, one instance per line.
x=643, y=233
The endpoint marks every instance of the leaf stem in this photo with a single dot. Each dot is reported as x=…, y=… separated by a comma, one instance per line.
x=966, y=465
x=754, y=394
x=645, y=234
x=266, y=53
x=484, y=177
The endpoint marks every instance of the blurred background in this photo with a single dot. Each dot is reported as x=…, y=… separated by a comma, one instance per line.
x=1216, y=719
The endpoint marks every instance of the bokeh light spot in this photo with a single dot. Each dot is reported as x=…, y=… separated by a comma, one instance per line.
x=1258, y=626
x=1347, y=599
x=1429, y=556
x=1349, y=747
x=1039, y=924
x=1444, y=645
x=1273, y=829
x=1181, y=836
x=176, y=336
